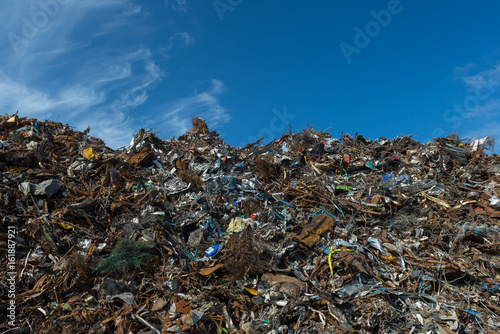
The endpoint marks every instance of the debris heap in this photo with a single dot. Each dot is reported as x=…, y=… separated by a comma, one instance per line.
x=308, y=234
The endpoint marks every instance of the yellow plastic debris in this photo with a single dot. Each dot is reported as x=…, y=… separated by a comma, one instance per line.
x=330, y=259
x=66, y=226
x=90, y=154
x=334, y=251
x=235, y=225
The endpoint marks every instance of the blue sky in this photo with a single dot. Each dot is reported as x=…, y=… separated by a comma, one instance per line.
x=379, y=68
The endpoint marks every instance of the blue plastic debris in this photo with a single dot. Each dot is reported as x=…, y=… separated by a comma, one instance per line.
x=211, y=251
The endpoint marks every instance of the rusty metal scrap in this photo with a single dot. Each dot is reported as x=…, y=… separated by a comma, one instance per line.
x=306, y=234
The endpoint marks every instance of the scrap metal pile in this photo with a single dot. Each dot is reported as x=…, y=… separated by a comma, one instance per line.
x=308, y=234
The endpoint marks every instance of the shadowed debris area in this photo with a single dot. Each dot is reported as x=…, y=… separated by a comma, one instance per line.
x=125, y=255
x=251, y=260
x=306, y=234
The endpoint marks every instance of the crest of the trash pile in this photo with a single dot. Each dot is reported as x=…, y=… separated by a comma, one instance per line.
x=305, y=234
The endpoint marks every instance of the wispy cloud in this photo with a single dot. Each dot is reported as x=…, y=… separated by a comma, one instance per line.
x=460, y=71
x=488, y=79
x=484, y=88
x=177, y=5
x=85, y=63
x=179, y=39
x=481, y=108
x=185, y=38
x=177, y=114
x=17, y=96
x=489, y=110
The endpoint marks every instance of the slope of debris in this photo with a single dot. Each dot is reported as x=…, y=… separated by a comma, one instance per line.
x=308, y=234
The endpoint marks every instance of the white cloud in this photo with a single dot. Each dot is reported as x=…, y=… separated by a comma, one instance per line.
x=460, y=71
x=88, y=65
x=133, y=10
x=15, y=95
x=488, y=110
x=114, y=127
x=177, y=115
x=80, y=97
x=35, y=28
x=61, y=71
x=177, y=123
x=482, y=105
x=487, y=79
x=182, y=38
x=483, y=100
x=177, y=5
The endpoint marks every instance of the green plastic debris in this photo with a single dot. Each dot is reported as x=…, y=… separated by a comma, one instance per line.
x=126, y=254
x=343, y=187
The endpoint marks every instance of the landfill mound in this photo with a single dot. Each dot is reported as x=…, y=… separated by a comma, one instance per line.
x=307, y=234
